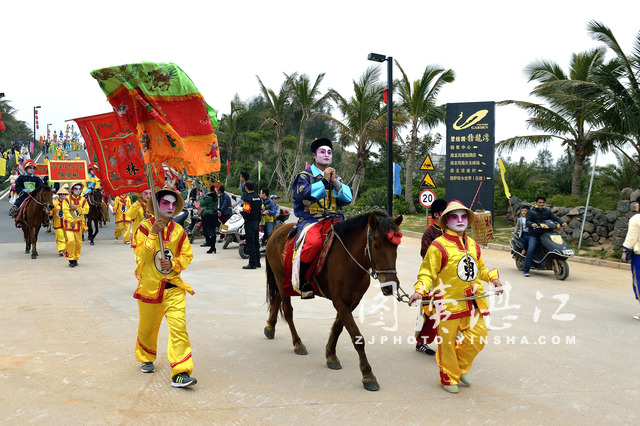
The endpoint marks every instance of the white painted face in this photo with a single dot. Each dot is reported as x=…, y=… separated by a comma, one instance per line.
x=30, y=170
x=324, y=155
x=167, y=205
x=146, y=194
x=76, y=190
x=458, y=220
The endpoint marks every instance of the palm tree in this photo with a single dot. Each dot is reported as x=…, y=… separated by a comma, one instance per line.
x=418, y=105
x=306, y=98
x=363, y=122
x=570, y=116
x=15, y=129
x=618, y=91
x=279, y=115
x=615, y=177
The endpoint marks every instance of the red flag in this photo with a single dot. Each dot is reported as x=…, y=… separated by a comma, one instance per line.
x=116, y=149
x=228, y=167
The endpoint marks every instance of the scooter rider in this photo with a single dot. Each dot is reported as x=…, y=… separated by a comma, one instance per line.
x=536, y=216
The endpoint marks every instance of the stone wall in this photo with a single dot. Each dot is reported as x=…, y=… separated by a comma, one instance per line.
x=602, y=228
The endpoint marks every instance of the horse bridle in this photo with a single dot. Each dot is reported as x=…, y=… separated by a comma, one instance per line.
x=91, y=200
x=404, y=297
x=45, y=206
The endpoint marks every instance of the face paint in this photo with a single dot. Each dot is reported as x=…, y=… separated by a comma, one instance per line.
x=30, y=170
x=167, y=205
x=146, y=194
x=76, y=190
x=458, y=221
x=324, y=155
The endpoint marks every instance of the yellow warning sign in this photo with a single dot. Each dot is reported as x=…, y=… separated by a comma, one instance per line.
x=427, y=164
x=427, y=182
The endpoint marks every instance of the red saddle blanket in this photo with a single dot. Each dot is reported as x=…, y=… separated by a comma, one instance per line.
x=20, y=216
x=317, y=264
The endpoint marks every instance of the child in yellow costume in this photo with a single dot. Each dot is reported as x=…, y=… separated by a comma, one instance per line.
x=56, y=214
x=74, y=207
x=452, y=270
x=161, y=291
x=121, y=205
x=137, y=213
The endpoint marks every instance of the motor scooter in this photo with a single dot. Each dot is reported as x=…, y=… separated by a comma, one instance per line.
x=186, y=216
x=233, y=229
x=550, y=254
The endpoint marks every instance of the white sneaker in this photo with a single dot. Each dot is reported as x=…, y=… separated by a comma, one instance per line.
x=636, y=317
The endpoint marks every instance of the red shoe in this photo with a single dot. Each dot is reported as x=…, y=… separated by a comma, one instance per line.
x=523, y=252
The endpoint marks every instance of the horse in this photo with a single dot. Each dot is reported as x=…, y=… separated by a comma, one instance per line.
x=36, y=212
x=361, y=243
x=94, y=198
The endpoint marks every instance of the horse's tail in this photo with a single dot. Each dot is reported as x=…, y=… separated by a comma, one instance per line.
x=272, y=285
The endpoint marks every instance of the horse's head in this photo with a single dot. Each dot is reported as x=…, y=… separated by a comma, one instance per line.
x=96, y=196
x=382, y=245
x=45, y=197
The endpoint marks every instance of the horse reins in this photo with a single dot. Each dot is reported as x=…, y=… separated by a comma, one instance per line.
x=373, y=272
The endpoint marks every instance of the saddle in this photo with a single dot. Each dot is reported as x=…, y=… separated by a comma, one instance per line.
x=316, y=266
x=20, y=212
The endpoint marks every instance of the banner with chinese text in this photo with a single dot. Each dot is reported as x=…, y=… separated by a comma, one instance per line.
x=470, y=154
x=67, y=171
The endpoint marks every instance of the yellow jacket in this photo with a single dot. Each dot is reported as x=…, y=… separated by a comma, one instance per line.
x=152, y=282
x=56, y=214
x=121, y=204
x=135, y=214
x=74, y=219
x=453, y=268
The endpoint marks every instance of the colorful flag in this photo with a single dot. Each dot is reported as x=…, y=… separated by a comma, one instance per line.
x=397, y=185
x=173, y=123
x=228, y=167
x=3, y=167
x=504, y=182
x=115, y=148
x=259, y=169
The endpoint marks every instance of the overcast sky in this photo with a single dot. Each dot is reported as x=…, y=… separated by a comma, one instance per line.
x=50, y=47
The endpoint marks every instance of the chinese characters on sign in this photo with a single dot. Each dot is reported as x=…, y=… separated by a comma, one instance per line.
x=470, y=153
x=65, y=171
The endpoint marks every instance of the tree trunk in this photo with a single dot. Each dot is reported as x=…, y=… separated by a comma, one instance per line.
x=281, y=180
x=358, y=174
x=408, y=171
x=576, y=179
x=297, y=166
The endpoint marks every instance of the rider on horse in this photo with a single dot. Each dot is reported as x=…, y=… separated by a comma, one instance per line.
x=24, y=185
x=318, y=197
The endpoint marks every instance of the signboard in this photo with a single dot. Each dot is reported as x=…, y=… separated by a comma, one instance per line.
x=427, y=181
x=470, y=146
x=65, y=171
x=41, y=170
x=427, y=197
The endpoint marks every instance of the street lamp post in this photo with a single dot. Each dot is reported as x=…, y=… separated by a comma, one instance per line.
x=35, y=118
x=381, y=58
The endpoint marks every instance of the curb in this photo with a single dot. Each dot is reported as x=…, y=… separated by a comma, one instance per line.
x=578, y=259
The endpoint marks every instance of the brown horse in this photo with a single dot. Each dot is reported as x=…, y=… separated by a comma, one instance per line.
x=361, y=243
x=37, y=212
x=94, y=198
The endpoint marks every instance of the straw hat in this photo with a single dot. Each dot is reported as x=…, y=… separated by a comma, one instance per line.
x=454, y=205
x=62, y=191
x=72, y=184
x=165, y=191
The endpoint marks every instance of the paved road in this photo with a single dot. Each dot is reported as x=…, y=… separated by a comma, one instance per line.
x=560, y=352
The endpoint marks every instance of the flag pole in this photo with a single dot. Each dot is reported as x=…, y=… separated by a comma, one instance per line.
x=154, y=201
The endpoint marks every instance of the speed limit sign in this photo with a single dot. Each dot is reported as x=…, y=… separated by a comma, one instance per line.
x=427, y=197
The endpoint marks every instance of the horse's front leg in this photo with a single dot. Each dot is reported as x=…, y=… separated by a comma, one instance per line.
x=298, y=346
x=332, y=359
x=27, y=239
x=34, y=239
x=368, y=379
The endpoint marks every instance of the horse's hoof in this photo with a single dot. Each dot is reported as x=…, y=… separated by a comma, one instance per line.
x=269, y=332
x=334, y=365
x=371, y=385
x=34, y=255
x=301, y=351
x=92, y=243
x=27, y=251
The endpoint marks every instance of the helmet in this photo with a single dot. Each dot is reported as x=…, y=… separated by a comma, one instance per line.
x=93, y=166
x=29, y=163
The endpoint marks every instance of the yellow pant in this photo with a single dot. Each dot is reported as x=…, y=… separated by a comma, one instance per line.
x=61, y=240
x=74, y=244
x=172, y=307
x=456, y=359
x=123, y=226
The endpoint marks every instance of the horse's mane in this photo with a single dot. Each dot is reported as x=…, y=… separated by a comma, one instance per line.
x=41, y=188
x=361, y=221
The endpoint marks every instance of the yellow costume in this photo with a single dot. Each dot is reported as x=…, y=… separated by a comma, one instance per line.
x=135, y=215
x=121, y=205
x=453, y=269
x=163, y=295
x=56, y=214
x=74, y=224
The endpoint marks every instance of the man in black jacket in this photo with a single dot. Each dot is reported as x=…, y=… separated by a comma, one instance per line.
x=251, y=212
x=26, y=184
x=535, y=217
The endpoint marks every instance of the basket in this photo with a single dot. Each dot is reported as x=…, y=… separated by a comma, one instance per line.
x=482, y=227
